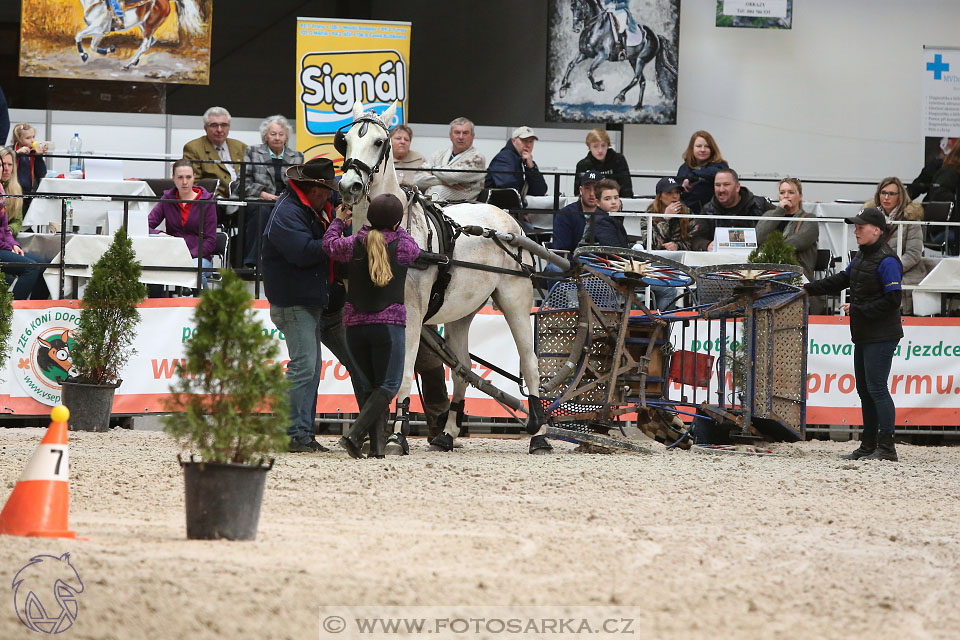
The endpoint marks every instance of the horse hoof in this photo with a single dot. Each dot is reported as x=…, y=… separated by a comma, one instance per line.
x=619, y=100
x=84, y=57
x=539, y=445
x=397, y=445
x=443, y=442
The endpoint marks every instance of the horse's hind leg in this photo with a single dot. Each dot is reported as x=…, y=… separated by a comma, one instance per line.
x=515, y=298
x=457, y=336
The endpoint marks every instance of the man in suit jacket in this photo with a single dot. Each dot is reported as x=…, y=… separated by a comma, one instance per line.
x=216, y=147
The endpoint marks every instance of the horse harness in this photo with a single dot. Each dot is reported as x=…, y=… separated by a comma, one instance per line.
x=340, y=144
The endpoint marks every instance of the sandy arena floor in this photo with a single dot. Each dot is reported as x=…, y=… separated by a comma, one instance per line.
x=700, y=546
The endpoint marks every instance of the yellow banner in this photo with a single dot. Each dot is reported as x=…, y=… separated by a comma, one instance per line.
x=340, y=61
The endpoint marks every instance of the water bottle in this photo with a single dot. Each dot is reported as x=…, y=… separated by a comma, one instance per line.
x=76, y=146
x=68, y=222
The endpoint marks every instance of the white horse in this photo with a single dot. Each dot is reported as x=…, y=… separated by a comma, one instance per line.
x=147, y=15
x=368, y=172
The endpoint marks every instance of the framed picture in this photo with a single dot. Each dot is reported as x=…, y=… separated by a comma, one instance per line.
x=613, y=61
x=755, y=14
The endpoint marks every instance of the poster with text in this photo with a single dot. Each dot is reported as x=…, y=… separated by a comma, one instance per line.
x=166, y=41
x=755, y=14
x=613, y=61
x=940, y=115
x=339, y=62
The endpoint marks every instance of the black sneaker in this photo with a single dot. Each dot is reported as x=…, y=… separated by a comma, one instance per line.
x=306, y=447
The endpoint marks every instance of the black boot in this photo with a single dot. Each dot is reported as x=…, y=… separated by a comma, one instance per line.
x=868, y=444
x=369, y=420
x=886, y=450
x=377, y=437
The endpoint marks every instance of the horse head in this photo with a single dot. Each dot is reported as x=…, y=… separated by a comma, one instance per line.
x=47, y=581
x=365, y=146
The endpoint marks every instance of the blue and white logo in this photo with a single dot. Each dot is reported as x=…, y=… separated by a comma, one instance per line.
x=938, y=66
x=45, y=594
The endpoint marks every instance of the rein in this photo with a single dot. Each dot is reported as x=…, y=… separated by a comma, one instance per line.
x=358, y=165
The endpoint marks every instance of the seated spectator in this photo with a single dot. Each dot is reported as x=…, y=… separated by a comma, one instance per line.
x=905, y=239
x=28, y=267
x=12, y=187
x=701, y=162
x=603, y=228
x=403, y=156
x=731, y=199
x=570, y=221
x=606, y=162
x=674, y=234
x=459, y=185
x=921, y=184
x=183, y=218
x=31, y=168
x=213, y=154
x=946, y=180
x=266, y=178
x=513, y=167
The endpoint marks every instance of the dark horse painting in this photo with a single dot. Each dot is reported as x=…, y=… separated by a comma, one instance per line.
x=607, y=33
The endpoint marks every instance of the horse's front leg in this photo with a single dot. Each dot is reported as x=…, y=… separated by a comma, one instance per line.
x=565, y=83
x=596, y=84
x=93, y=31
x=397, y=442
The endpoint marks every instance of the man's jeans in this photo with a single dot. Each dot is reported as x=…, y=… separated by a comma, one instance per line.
x=871, y=368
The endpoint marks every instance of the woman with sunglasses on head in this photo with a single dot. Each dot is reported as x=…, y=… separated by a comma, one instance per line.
x=906, y=240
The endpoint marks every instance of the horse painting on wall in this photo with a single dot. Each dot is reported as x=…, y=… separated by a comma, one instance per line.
x=613, y=61
x=165, y=41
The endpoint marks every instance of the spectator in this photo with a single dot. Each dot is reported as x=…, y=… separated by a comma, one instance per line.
x=921, y=184
x=217, y=149
x=266, y=179
x=513, y=167
x=673, y=234
x=4, y=118
x=296, y=280
x=946, y=181
x=603, y=228
x=606, y=162
x=731, y=199
x=28, y=267
x=454, y=186
x=570, y=221
x=182, y=219
x=31, y=168
x=11, y=187
x=701, y=162
x=905, y=239
x=403, y=156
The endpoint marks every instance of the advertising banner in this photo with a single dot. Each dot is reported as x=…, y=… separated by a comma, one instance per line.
x=941, y=100
x=924, y=381
x=755, y=14
x=340, y=61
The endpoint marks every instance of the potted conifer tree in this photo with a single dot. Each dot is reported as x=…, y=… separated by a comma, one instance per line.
x=103, y=341
x=230, y=412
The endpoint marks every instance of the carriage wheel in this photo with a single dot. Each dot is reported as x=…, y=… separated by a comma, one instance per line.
x=751, y=272
x=632, y=266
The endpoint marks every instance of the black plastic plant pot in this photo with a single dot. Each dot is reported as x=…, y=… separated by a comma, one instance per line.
x=89, y=404
x=223, y=499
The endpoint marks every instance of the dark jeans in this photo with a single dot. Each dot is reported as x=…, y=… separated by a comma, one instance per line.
x=378, y=350
x=871, y=367
x=256, y=220
x=30, y=282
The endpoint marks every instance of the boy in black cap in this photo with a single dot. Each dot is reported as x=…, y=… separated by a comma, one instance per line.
x=570, y=221
x=874, y=279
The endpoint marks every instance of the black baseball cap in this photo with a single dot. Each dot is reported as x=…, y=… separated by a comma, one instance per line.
x=667, y=184
x=870, y=215
x=589, y=176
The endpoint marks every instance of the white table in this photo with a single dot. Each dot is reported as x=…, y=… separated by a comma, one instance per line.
x=943, y=278
x=89, y=210
x=153, y=251
x=705, y=258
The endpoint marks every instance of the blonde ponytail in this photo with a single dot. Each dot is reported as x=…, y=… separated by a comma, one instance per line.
x=378, y=259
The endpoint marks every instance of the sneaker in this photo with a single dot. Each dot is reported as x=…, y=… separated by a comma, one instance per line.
x=312, y=446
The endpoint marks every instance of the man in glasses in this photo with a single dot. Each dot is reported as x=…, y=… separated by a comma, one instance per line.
x=213, y=153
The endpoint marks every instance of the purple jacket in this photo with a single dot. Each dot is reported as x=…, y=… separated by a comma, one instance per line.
x=7, y=241
x=340, y=248
x=170, y=211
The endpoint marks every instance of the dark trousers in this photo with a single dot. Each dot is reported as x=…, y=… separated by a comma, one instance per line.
x=871, y=368
x=256, y=220
x=378, y=351
x=30, y=270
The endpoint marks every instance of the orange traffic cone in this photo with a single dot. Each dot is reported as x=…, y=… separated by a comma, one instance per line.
x=40, y=503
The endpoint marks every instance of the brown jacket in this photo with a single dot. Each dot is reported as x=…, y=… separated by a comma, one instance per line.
x=203, y=149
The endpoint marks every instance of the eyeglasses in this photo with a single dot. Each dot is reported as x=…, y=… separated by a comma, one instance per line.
x=889, y=194
x=218, y=125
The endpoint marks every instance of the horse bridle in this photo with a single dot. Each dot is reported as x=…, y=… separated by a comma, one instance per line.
x=340, y=144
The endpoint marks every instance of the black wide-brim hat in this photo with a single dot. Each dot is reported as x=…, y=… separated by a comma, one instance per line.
x=317, y=170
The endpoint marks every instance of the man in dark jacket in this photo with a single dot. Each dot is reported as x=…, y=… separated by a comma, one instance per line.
x=731, y=199
x=603, y=228
x=513, y=167
x=569, y=223
x=298, y=283
x=874, y=279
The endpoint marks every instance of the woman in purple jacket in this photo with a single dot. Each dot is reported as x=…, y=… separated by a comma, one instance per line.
x=374, y=315
x=30, y=282
x=183, y=218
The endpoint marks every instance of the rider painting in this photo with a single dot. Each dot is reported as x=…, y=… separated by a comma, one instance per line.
x=117, y=7
x=623, y=20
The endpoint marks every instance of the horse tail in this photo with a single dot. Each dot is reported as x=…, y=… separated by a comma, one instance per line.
x=189, y=15
x=666, y=68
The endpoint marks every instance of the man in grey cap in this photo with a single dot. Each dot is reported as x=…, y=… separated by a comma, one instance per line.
x=513, y=167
